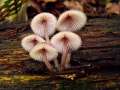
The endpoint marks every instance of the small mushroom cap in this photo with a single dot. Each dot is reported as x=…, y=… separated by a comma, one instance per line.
x=71, y=20
x=42, y=22
x=40, y=50
x=30, y=41
x=73, y=41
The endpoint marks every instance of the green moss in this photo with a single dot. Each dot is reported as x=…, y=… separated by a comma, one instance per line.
x=46, y=83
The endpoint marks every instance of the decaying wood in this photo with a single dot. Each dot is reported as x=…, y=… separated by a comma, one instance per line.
x=100, y=50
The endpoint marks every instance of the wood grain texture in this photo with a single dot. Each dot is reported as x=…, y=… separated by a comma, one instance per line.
x=100, y=49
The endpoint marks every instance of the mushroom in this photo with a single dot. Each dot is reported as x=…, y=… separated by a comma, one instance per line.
x=30, y=41
x=44, y=25
x=71, y=20
x=66, y=42
x=44, y=53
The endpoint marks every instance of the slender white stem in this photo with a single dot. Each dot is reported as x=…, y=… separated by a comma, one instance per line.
x=63, y=59
x=47, y=37
x=67, y=63
x=48, y=65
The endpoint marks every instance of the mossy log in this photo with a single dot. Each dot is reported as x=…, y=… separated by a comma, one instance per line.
x=94, y=66
x=100, y=50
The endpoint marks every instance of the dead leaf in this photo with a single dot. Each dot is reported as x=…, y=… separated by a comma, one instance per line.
x=74, y=5
x=88, y=1
x=46, y=1
x=113, y=8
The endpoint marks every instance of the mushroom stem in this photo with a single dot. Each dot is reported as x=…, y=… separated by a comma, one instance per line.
x=63, y=59
x=67, y=63
x=56, y=64
x=49, y=66
x=47, y=37
x=48, y=41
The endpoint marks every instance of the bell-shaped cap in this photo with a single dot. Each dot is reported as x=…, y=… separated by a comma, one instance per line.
x=71, y=20
x=30, y=41
x=42, y=23
x=63, y=39
x=41, y=50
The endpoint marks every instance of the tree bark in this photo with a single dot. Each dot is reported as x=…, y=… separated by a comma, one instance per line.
x=100, y=50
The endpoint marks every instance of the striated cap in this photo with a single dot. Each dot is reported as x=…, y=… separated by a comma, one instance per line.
x=41, y=50
x=42, y=22
x=71, y=20
x=60, y=40
x=30, y=41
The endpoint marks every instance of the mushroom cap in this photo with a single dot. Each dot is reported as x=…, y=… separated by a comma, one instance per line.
x=30, y=41
x=42, y=49
x=73, y=41
x=71, y=20
x=42, y=22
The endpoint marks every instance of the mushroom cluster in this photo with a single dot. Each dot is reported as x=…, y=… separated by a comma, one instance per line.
x=45, y=49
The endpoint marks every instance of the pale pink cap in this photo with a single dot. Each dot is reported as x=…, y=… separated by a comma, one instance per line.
x=74, y=41
x=71, y=20
x=50, y=52
x=30, y=41
x=42, y=22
